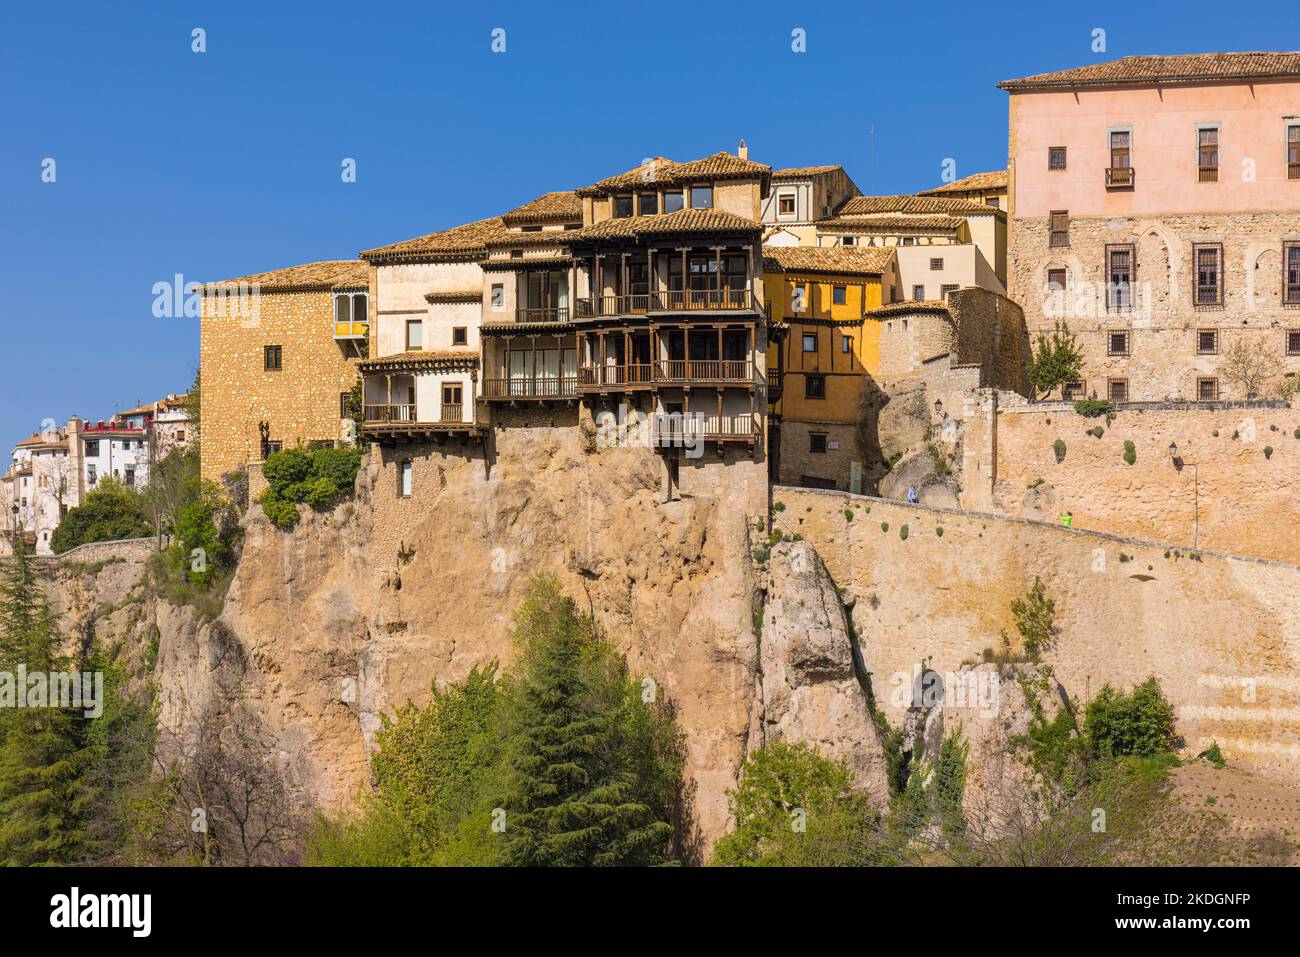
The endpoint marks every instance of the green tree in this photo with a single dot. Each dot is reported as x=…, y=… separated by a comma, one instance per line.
x=1057, y=360
x=316, y=477
x=796, y=808
x=110, y=512
x=1035, y=617
x=583, y=783
x=42, y=795
x=1140, y=723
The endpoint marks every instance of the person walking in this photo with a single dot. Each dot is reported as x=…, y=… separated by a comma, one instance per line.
x=911, y=494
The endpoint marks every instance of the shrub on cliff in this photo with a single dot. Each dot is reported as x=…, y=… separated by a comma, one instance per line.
x=794, y=807
x=1140, y=723
x=316, y=477
x=109, y=513
x=1035, y=618
x=1093, y=408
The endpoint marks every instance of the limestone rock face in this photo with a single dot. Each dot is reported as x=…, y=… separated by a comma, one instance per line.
x=810, y=691
x=917, y=469
x=1039, y=503
x=904, y=420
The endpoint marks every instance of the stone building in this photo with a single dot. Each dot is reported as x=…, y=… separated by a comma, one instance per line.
x=801, y=197
x=824, y=348
x=278, y=354
x=1156, y=211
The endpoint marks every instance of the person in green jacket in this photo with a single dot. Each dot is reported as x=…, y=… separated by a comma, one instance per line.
x=1067, y=518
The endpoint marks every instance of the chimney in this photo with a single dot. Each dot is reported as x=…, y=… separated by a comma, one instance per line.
x=742, y=150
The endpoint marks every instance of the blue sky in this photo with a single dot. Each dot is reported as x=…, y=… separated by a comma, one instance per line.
x=228, y=162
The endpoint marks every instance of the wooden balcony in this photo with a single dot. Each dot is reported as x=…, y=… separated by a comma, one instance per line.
x=543, y=314
x=669, y=372
x=1207, y=174
x=1120, y=177
x=531, y=387
x=390, y=413
x=676, y=430
x=398, y=423
x=671, y=301
x=453, y=412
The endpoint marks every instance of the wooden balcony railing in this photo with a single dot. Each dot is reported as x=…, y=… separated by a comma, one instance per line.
x=672, y=429
x=531, y=387
x=673, y=300
x=1293, y=170
x=1119, y=177
x=390, y=413
x=1207, y=174
x=543, y=314
x=593, y=375
x=453, y=412
x=712, y=370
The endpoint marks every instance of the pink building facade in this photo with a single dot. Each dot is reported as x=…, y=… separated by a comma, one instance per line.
x=1155, y=206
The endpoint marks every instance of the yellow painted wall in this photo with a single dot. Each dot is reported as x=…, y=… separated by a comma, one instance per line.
x=843, y=370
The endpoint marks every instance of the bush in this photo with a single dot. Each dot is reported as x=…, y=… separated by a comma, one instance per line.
x=1093, y=408
x=1058, y=449
x=109, y=513
x=902, y=533
x=1035, y=617
x=1096, y=431
x=1140, y=723
x=316, y=477
x=202, y=546
x=1130, y=453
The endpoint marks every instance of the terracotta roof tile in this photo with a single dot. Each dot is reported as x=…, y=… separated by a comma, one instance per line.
x=892, y=224
x=459, y=242
x=997, y=179
x=330, y=274
x=564, y=207
x=546, y=237
x=662, y=171
x=799, y=172
x=867, y=260
x=1183, y=68
x=681, y=221
x=908, y=305
x=912, y=205
x=420, y=356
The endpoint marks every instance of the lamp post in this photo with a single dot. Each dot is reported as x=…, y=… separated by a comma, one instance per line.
x=1196, y=490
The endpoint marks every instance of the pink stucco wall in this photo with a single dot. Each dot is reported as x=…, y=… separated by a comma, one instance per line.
x=1252, y=126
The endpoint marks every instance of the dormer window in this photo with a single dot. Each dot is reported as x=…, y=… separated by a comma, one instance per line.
x=785, y=204
x=701, y=197
x=622, y=206
x=647, y=204
x=673, y=201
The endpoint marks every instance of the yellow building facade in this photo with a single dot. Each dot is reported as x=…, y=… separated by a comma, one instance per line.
x=822, y=348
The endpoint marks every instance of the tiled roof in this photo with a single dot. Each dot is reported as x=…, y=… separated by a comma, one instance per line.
x=459, y=242
x=420, y=357
x=546, y=237
x=889, y=224
x=662, y=171
x=460, y=295
x=913, y=205
x=868, y=260
x=1184, y=68
x=799, y=172
x=562, y=207
x=681, y=221
x=997, y=179
x=907, y=306
x=331, y=274
x=36, y=439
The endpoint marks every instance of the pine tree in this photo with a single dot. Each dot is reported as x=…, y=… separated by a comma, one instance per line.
x=576, y=789
x=42, y=796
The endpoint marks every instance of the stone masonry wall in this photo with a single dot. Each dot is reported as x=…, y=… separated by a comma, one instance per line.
x=1220, y=633
x=1163, y=360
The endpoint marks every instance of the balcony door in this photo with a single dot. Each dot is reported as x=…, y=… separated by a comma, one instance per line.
x=518, y=374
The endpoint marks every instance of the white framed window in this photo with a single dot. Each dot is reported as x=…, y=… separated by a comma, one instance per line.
x=404, y=479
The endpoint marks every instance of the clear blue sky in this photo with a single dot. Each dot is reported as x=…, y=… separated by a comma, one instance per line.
x=224, y=163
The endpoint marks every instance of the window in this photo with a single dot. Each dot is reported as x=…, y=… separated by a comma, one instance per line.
x=849, y=241
x=622, y=206
x=1058, y=228
x=1207, y=390
x=404, y=483
x=918, y=292
x=1117, y=343
x=344, y=397
x=1207, y=154
x=810, y=342
x=1119, y=278
x=452, y=409
x=1207, y=259
x=936, y=264
x=1121, y=156
x=1055, y=279
x=1293, y=151
x=947, y=288
x=839, y=295
x=350, y=307
x=647, y=204
x=516, y=254
x=1293, y=342
x=814, y=387
x=993, y=201
x=530, y=229
x=90, y=474
x=498, y=297
x=673, y=201
x=271, y=358
x=908, y=241
x=1073, y=390
x=1056, y=158
x=846, y=344
x=701, y=197
x=1117, y=390
x=1291, y=274
x=1207, y=342
x=273, y=447
x=414, y=334
x=180, y=435
x=459, y=335
x=817, y=442
x=92, y=448
x=785, y=204
x=128, y=477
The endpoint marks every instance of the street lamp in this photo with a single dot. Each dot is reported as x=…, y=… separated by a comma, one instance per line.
x=938, y=407
x=1196, y=490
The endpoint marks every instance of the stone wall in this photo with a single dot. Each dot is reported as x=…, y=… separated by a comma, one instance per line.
x=1220, y=633
x=798, y=461
x=1163, y=361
